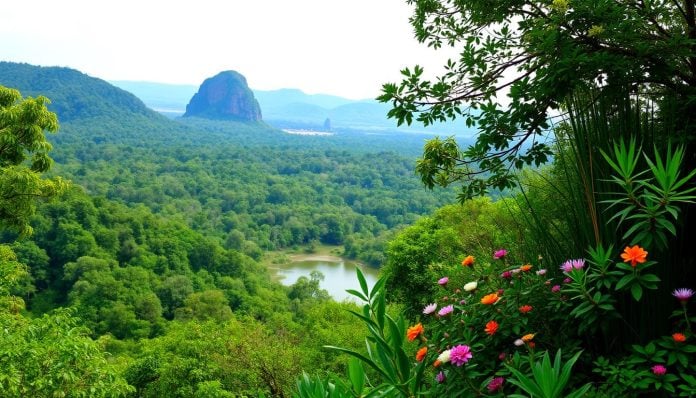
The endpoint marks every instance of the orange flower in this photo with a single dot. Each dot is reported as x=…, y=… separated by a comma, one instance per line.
x=414, y=331
x=468, y=261
x=525, y=267
x=528, y=337
x=525, y=309
x=491, y=328
x=679, y=337
x=421, y=354
x=489, y=299
x=634, y=255
x=437, y=363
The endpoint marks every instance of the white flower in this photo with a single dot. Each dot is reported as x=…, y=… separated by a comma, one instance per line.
x=444, y=357
x=471, y=286
x=519, y=342
x=429, y=309
x=541, y=272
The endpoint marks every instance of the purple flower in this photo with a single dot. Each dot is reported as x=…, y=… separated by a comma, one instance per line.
x=556, y=288
x=499, y=254
x=506, y=275
x=567, y=280
x=460, y=355
x=446, y=310
x=430, y=308
x=683, y=294
x=578, y=263
x=496, y=384
x=440, y=377
x=443, y=281
x=659, y=370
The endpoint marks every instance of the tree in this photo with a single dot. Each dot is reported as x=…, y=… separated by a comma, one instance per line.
x=24, y=156
x=538, y=53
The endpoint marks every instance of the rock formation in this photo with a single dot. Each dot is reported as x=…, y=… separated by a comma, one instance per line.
x=225, y=96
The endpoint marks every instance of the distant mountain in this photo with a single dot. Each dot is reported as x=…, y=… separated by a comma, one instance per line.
x=292, y=108
x=225, y=96
x=74, y=95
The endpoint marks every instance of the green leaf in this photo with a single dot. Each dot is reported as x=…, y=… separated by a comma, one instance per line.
x=636, y=291
x=363, y=282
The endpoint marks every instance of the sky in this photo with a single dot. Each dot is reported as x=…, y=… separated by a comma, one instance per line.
x=341, y=47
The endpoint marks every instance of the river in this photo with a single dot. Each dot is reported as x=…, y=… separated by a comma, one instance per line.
x=339, y=274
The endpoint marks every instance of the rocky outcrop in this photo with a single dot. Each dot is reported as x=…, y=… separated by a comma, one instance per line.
x=225, y=96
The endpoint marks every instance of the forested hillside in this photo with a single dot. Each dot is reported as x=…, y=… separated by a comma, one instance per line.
x=150, y=253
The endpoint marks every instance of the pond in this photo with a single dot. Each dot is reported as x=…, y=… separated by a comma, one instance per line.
x=339, y=274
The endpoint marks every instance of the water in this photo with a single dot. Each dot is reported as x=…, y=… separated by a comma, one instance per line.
x=339, y=275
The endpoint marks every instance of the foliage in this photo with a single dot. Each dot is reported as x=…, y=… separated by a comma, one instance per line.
x=537, y=54
x=24, y=157
x=651, y=202
x=549, y=380
x=386, y=354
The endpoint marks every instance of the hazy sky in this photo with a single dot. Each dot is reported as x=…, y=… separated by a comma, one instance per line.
x=342, y=47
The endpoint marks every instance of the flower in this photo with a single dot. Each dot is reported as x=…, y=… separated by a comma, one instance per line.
x=519, y=342
x=468, y=261
x=506, y=275
x=491, y=328
x=444, y=356
x=430, y=308
x=567, y=280
x=470, y=286
x=443, y=281
x=460, y=355
x=421, y=354
x=634, y=255
x=446, y=310
x=440, y=378
x=556, y=288
x=578, y=263
x=525, y=308
x=528, y=337
x=413, y=332
x=499, y=254
x=526, y=267
x=489, y=299
x=683, y=294
x=531, y=344
x=659, y=370
x=495, y=384
x=678, y=337
x=541, y=271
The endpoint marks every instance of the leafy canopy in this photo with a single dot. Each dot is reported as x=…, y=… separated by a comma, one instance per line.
x=537, y=53
x=24, y=156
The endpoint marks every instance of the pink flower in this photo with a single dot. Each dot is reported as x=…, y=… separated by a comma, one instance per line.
x=460, y=355
x=541, y=271
x=443, y=281
x=683, y=294
x=556, y=288
x=429, y=309
x=446, y=310
x=570, y=265
x=496, y=384
x=567, y=280
x=659, y=370
x=499, y=254
x=440, y=378
x=506, y=275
